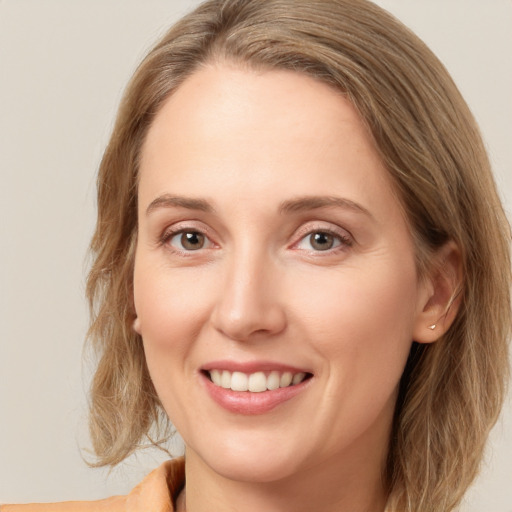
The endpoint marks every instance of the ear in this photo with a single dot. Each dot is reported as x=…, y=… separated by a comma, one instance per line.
x=441, y=295
x=136, y=325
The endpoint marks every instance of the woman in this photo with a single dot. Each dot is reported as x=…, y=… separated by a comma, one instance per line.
x=302, y=260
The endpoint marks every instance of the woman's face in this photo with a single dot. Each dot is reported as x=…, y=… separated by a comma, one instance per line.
x=271, y=247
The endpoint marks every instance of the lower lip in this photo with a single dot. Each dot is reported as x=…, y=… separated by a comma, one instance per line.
x=248, y=403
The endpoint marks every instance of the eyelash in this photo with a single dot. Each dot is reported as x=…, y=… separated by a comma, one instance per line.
x=170, y=233
x=344, y=240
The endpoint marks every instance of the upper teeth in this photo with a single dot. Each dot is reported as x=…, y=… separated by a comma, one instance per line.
x=255, y=382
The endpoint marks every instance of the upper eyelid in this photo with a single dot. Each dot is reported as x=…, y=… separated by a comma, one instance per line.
x=344, y=241
x=182, y=227
x=345, y=237
x=188, y=225
x=321, y=226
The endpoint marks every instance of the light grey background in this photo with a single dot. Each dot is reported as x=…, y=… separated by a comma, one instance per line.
x=63, y=65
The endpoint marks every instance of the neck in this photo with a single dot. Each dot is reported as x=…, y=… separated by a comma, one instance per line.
x=334, y=487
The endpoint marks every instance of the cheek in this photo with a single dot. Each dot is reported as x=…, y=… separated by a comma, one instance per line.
x=171, y=308
x=365, y=316
x=361, y=326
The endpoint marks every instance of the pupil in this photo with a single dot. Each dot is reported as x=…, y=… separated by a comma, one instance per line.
x=322, y=241
x=192, y=241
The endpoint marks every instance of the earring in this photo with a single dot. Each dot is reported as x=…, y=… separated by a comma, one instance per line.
x=432, y=327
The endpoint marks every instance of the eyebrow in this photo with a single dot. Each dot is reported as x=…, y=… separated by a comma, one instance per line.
x=307, y=203
x=170, y=201
x=297, y=205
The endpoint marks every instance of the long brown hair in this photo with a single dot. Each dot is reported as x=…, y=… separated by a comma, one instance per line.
x=452, y=390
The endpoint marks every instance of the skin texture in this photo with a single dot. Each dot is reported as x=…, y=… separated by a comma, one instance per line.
x=247, y=142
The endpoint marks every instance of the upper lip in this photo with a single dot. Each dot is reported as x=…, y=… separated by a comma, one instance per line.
x=252, y=366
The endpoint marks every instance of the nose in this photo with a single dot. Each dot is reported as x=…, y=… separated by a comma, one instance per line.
x=249, y=305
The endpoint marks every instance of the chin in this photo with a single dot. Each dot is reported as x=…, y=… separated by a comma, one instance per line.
x=251, y=462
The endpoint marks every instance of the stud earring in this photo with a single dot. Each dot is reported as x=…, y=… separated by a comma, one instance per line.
x=432, y=327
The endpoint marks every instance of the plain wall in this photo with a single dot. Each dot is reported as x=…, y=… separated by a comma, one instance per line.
x=63, y=65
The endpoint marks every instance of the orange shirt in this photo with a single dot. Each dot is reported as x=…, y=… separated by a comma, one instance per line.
x=157, y=493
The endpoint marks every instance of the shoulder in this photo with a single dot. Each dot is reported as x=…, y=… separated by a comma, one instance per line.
x=156, y=492
x=114, y=504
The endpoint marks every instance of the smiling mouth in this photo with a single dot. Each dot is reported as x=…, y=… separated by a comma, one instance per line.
x=256, y=382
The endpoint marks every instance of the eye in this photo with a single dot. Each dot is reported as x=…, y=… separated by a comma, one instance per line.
x=322, y=241
x=189, y=240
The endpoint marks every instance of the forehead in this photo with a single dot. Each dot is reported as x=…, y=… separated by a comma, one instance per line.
x=228, y=130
